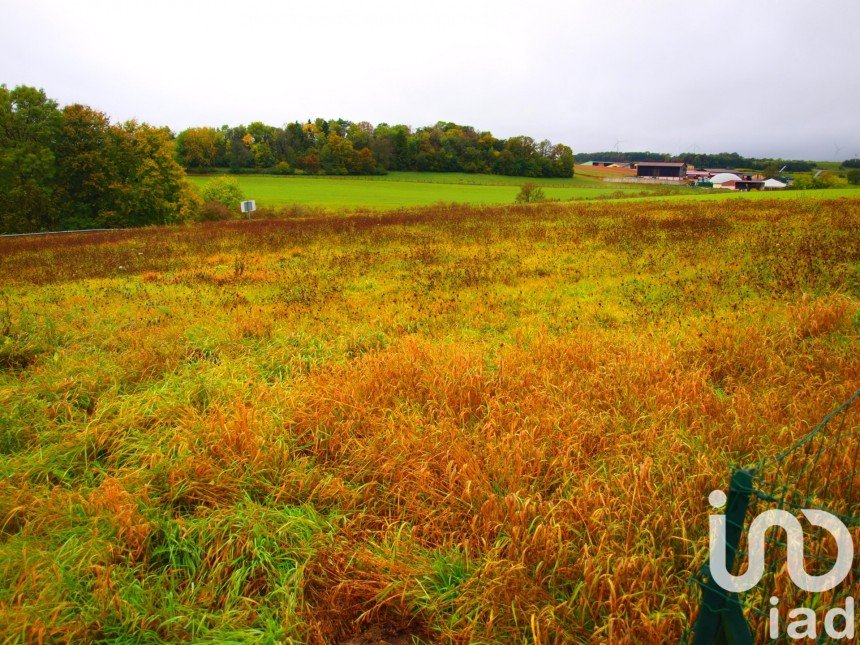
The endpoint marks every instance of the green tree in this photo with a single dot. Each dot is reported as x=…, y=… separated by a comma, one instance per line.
x=823, y=180
x=394, y=142
x=74, y=169
x=364, y=163
x=260, y=131
x=337, y=156
x=854, y=176
x=361, y=134
x=86, y=169
x=829, y=180
x=198, y=147
x=30, y=123
x=151, y=186
x=802, y=182
x=771, y=170
x=238, y=152
x=562, y=160
x=263, y=156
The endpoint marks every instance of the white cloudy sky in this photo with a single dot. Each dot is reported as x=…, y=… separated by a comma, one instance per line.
x=768, y=78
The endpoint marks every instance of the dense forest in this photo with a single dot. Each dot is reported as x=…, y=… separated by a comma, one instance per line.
x=700, y=160
x=339, y=147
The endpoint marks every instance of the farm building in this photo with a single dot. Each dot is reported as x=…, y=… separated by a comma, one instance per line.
x=698, y=174
x=721, y=179
x=732, y=181
x=661, y=169
x=749, y=184
x=741, y=175
x=719, y=171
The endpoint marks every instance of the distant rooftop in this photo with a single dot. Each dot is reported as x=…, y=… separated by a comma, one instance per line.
x=723, y=177
x=663, y=164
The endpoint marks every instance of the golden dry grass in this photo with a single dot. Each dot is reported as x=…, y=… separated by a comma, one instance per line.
x=448, y=424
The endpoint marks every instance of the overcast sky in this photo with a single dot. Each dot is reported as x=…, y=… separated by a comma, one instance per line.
x=763, y=78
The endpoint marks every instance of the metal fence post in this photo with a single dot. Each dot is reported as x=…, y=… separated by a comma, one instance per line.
x=721, y=618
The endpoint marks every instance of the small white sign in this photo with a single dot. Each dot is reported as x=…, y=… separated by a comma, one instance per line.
x=249, y=206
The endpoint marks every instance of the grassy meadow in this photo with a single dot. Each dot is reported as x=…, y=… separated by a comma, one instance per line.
x=407, y=189
x=438, y=424
x=411, y=189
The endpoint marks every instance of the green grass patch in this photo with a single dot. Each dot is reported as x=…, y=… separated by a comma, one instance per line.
x=406, y=189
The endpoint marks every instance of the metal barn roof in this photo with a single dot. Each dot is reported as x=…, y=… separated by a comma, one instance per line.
x=723, y=177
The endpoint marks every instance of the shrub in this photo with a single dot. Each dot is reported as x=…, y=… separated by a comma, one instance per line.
x=854, y=176
x=223, y=190
x=823, y=180
x=190, y=203
x=215, y=211
x=282, y=168
x=829, y=180
x=265, y=213
x=801, y=182
x=530, y=193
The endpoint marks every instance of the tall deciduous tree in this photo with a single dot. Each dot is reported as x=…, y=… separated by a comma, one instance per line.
x=198, y=147
x=151, y=186
x=86, y=167
x=30, y=123
x=337, y=156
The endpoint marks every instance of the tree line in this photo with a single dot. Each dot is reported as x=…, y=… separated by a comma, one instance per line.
x=64, y=168
x=341, y=147
x=702, y=160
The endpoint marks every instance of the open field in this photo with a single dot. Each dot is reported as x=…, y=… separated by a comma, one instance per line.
x=601, y=172
x=492, y=424
x=406, y=189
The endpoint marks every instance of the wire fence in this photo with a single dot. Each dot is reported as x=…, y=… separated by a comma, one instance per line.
x=820, y=471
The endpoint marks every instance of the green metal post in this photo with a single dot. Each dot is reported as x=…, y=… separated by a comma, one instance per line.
x=721, y=618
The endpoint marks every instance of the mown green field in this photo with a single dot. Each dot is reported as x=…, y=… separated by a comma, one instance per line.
x=407, y=189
